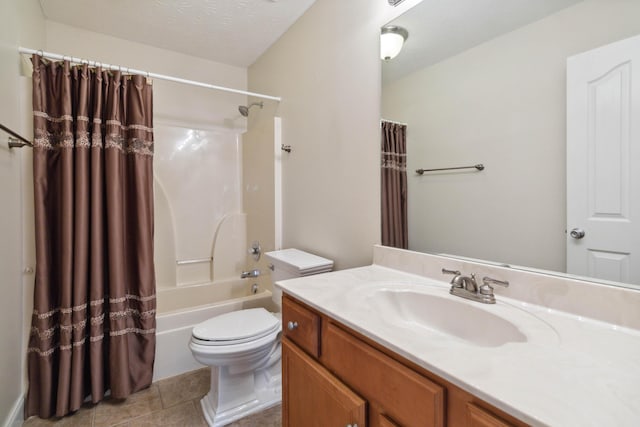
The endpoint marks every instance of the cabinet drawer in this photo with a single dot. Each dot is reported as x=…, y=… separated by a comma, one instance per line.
x=301, y=326
x=406, y=396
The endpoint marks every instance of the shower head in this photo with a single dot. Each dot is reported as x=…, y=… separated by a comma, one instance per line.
x=245, y=110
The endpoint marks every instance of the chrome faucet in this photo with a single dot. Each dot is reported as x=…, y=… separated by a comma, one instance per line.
x=252, y=273
x=467, y=287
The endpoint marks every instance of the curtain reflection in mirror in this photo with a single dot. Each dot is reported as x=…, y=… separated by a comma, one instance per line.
x=394, y=185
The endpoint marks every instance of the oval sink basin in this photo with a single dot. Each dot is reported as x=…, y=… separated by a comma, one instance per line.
x=451, y=315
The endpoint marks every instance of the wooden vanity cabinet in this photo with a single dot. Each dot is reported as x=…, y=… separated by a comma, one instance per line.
x=334, y=376
x=400, y=393
x=478, y=417
x=313, y=397
x=302, y=326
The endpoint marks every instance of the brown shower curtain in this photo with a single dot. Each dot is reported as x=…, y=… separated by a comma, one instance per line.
x=394, y=185
x=93, y=323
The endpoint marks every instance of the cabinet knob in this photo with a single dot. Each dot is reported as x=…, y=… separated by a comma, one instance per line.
x=292, y=325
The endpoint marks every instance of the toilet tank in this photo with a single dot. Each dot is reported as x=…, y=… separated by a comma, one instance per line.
x=291, y=263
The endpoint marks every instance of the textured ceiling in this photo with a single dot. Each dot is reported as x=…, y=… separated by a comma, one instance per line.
x=234, y=32
x=439, y=29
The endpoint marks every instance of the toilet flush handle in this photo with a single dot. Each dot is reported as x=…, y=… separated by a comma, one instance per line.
x=292, y=325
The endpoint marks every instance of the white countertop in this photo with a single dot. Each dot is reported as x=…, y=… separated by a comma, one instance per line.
x=573, y=371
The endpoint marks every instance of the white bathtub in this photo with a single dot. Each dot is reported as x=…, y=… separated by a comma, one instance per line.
x=179, y=309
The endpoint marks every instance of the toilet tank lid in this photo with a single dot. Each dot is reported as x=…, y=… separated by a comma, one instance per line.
x=299, y=260
x=237, y=325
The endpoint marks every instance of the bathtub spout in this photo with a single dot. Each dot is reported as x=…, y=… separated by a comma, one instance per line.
x=252, y=273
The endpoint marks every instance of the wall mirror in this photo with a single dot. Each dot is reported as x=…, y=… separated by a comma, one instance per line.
x=485, y=81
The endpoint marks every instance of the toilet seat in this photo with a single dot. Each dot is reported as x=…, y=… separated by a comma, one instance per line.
x=236, y=327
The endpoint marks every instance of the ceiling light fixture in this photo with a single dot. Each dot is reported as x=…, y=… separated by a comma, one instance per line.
x=392, y=39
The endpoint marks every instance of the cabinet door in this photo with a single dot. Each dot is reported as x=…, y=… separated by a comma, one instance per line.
x=386, y=422
x=312, y=397
x=402, y=394
x=478, y=417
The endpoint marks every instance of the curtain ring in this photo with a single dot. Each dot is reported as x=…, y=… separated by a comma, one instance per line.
x=41, y=53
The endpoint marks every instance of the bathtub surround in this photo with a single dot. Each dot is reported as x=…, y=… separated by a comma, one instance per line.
x=200, y=230
x=93, y=326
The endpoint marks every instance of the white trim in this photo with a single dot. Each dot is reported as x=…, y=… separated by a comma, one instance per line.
x=149, y=74
x=277, y=146
x=14, y=418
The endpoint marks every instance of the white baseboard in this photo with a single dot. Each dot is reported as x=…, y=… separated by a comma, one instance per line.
x=15, y=417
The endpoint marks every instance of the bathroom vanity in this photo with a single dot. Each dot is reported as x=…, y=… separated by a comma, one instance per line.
x=377, y=346
x=331, y=373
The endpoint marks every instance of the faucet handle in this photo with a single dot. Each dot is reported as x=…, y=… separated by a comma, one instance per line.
x=487, y=289
x=456, y=275
x=454, y=272
x=489, y=281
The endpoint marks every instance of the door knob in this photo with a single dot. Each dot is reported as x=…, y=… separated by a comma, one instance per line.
x=577, y=233
x=292, y=325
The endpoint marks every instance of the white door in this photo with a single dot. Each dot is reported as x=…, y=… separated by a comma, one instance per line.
x=603, y=162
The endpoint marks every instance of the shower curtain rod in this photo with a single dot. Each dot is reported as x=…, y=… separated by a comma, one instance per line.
x=144, y=73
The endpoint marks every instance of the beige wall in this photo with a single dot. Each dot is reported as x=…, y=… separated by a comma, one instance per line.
x=22, y=24
x=258, y=185
x=326, y=69
x=502, y=104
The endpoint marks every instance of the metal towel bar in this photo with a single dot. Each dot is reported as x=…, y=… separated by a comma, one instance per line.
x=15, y=141
x=193, y=261
x=479, y=167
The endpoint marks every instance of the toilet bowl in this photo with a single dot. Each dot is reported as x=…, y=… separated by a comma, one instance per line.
x=243, y=348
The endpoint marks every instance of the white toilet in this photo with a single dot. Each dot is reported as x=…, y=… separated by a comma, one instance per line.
x=243, y=347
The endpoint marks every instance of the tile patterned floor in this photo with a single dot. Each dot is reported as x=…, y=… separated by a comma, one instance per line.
x=171, y=402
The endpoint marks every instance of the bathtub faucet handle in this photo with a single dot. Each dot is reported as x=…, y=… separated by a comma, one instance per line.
x=252, y=273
